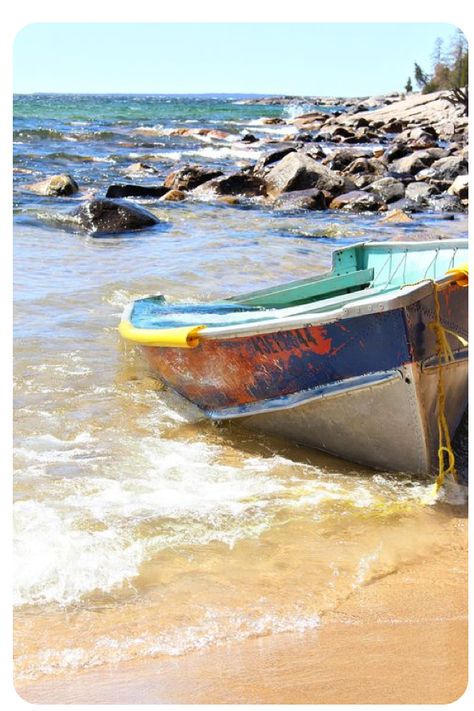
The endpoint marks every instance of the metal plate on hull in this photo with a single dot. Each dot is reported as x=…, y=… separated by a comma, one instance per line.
x=380, y=425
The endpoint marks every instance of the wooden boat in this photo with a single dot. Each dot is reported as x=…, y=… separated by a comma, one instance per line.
x=353, y=362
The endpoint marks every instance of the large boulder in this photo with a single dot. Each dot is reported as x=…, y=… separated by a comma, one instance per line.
x=414, y=162
x=56, y=186
x=419, y=191
x=358, y=201
x=298, y=171
x=422, y=109
x=189, y=177
x=449, y=168
x=388, y=189
x=103, y=216
x=312, y=199
x=236, y=184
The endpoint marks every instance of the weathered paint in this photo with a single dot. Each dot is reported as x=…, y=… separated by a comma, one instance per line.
x=453, y=302
x=229, y=373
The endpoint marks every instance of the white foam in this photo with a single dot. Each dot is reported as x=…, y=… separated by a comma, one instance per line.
x=222, y=152
x=295, y=110
x=216, y=628
x=60, y=555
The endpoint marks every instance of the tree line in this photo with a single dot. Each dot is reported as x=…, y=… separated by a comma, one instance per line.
x=449, y=71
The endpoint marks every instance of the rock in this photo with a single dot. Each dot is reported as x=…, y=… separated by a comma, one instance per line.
x=460, y=187
x=211, y=132
x=370, y=166
x=189, y=177
x=393, y=126
x=236, y=184
x=121, y=190
x=272, y=121
x=342, y=157
x=312, y=199
x=449, y=168
x=419, y=191
x=310, y=116
x=140, y=169
x=396, y=216
x=445, y=203
x=56, y=186
x=249, y=138
x=423, y=109
x=229, y=199
x=174, y=195
x=425, y=141
x=414, y=162
x=314, y=151
x=362, y=135
x=395, y=151
x=105, y=216
x=362, y=180
x=388, y=189
x=301, y=137
x=419, y=137
x=358, y=201
x=361, y=122
x=273, y=157
x=298, y=171
x=339, y=131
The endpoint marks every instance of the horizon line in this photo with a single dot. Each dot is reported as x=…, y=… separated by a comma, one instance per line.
x=202, y=93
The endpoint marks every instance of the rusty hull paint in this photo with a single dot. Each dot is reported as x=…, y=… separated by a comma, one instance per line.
x=236, y=371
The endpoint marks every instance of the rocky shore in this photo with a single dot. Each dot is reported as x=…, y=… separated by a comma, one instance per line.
x=392, y=155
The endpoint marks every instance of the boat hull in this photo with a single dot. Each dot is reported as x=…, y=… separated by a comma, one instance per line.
x=364, y=387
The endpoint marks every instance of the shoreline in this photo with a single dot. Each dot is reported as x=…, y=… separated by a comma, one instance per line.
x=400, y=639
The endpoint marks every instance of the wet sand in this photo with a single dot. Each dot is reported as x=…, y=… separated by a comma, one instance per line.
x=400, y=639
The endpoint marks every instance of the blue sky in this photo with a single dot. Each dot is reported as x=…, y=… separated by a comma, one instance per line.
x=276, y=58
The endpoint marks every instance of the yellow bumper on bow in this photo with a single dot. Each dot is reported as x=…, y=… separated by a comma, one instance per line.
x=182, y=337
x=460, y=274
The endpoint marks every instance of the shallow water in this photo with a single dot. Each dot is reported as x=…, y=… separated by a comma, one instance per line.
x=141, y=529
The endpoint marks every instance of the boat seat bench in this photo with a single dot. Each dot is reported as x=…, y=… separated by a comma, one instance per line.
x=301, y=292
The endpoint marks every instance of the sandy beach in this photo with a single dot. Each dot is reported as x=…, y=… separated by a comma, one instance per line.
x=400, y=639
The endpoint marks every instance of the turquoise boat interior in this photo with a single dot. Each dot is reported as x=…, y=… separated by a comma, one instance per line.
x=361, y=271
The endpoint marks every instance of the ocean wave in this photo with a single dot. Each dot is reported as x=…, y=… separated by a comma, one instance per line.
x=95, y=136
x=38, y=134
x=78, y=158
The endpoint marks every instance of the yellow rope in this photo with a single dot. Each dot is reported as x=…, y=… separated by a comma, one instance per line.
x=445, y=354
